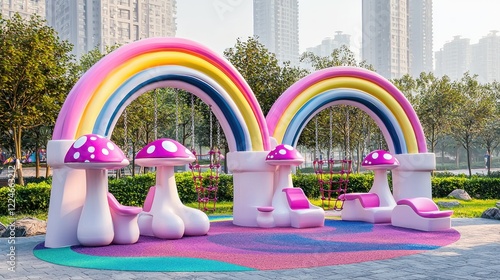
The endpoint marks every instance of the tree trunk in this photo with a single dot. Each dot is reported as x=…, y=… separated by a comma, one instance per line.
x=37, y=157
x=17, y=143
x=468, y=159
x=47, y=171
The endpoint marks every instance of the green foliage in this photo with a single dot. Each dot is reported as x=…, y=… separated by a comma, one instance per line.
x=132, y=190
x=32, y=197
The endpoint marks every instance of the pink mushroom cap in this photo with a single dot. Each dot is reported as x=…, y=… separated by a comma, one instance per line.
x=92, y=151
x=164, y=152
x=380, y=159
x=284, y=154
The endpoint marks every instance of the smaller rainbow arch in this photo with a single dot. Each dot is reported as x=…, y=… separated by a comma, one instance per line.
x=100, y=96
x=352, y=86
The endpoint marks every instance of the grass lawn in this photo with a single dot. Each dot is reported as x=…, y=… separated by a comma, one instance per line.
x=466, y=209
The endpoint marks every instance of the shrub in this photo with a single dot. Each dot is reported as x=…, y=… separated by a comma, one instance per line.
x=132, y=190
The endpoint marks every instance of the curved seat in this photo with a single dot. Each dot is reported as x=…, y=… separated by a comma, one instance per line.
x=125, y=224
x=365, y=207
x=420, y=213
x=366, y=199
x=303, y=214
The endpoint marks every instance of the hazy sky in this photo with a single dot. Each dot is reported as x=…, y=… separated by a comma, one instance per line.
x=218, y=23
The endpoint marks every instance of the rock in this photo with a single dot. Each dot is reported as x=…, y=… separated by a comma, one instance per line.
x=26, y=227
x=448, y=204
x=498, y=204
x=491, y=213
x=2, y=228
x=460, y=194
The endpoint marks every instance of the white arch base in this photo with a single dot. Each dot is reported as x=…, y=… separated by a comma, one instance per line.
x=66, y=197
x=413, y=176
x=253, y=185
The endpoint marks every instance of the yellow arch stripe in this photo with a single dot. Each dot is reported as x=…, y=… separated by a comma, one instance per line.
x=161, y=58
x=351, y=83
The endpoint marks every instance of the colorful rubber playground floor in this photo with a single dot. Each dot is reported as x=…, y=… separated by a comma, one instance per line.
x=231, y=248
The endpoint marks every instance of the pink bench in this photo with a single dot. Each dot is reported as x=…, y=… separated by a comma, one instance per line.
x=425, y=207
x=420, y=213
x=365, y=207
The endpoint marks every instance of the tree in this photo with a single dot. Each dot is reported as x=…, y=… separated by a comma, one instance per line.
x=35, y=78
x=477, y=106
x=436, y=101
x=490, y=135
x=261, y=70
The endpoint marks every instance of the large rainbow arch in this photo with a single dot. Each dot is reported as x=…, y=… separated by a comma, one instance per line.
x=353, y=86
x=97, y=100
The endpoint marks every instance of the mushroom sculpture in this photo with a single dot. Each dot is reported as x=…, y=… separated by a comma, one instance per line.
x=284, y=157
x=96, y=155
x=170, y=218
x=380, y=161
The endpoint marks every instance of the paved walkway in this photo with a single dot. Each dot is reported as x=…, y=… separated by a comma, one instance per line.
x=474, y=256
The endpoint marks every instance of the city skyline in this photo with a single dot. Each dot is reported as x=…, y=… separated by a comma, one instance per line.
x=219, y=23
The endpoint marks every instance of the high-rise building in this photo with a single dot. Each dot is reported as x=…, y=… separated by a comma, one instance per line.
x=90, y=23
x=397, y=35
x=276, y=23
x=329, y=44
x=24, y=7
x=421, y=35
x=454, y=58
x=486, y=58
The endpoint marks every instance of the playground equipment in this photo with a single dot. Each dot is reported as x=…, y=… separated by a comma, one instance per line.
x=102, y=94
x=289, y=207
x=331, y=188
x=420, y=213
x=95, y=154
x=207, y=194
x=169, y=218
x=125, y=226
x=375, y=206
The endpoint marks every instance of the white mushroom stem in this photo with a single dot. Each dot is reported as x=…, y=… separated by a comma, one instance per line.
x=166, y=188
x=282, y=180
x=381, y=188
x=95, y=227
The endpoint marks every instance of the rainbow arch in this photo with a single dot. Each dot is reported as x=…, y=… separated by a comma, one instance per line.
x=97, y=100
x=353, y=86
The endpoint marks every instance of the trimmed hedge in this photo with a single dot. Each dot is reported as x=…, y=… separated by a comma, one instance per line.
x=132, y=190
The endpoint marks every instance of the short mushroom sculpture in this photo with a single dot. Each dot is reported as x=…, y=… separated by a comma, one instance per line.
x=96, y=155
x=380, y=161
x=170, y=218
x=284, y=156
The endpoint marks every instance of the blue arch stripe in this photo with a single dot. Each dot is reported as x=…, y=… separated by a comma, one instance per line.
x=235, y=126
x=312, y=107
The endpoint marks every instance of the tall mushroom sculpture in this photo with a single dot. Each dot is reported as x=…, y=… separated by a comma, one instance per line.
x=380, y=161
x=170, y=218
x=96, y=155
x=284, y=157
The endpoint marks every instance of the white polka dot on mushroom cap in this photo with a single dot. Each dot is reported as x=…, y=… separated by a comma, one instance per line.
x=288, y=147
x=169, y=146
x=151, y=149
x=80, y=142
x=282, y=152
x=387, y=156
x=91, y=149
x=76, y=155
x=105, y=151
x=375, y=155
x=110, y=146
x=93, y=138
